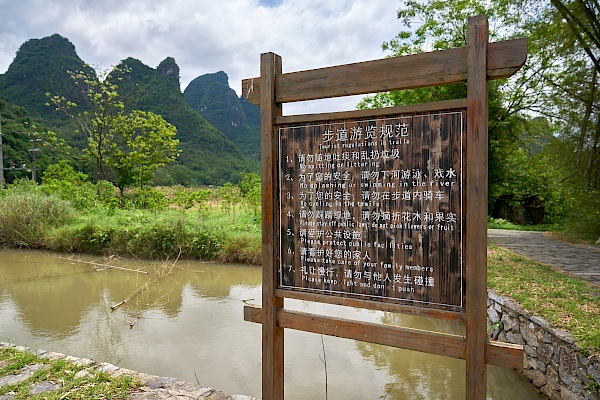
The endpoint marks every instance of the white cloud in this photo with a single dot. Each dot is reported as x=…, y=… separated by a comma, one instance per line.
x=206, y=36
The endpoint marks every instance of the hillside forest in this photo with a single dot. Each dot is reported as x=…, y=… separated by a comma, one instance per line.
x=544, y=123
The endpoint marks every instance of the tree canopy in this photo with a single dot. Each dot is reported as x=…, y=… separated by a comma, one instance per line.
x=125, y=147
x=140, y=143
x=544, y=123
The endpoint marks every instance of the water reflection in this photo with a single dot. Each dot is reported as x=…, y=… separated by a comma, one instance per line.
x=188, y=323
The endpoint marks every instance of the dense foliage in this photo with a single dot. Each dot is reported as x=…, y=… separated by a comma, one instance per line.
x=69, y=213
x=544, y=123
x=20, y=136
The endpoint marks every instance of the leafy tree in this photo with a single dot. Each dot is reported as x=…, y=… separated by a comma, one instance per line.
x=569, y=39
x=126, y=148
x=95, y=116
x=443, y=25
x=558, y=82
x=140, y=143
x=565, y=48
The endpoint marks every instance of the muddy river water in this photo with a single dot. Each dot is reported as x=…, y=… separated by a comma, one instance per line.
x=185, y=320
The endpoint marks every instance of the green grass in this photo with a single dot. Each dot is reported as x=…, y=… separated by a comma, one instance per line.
x=95, y=385
x=573, y=232
x=499, y=223
x=566, y=302
x=214, y=234
x=217, y=225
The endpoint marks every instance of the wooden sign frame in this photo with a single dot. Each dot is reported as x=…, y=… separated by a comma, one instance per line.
x=475, y=64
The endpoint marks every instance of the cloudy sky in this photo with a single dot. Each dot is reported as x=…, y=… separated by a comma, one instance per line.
x=207, y=36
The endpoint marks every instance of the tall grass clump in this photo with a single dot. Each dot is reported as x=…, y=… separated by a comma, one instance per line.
x=139, y=233
x=170, y=236
x=27, y=215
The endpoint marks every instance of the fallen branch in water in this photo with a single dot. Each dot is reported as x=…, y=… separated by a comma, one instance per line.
x=137, y=291
x=105, y=266
x=160, y=274
x=324, y=361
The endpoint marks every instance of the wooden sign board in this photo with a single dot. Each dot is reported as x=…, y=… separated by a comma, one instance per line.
x=372, y=208
x=383, y=209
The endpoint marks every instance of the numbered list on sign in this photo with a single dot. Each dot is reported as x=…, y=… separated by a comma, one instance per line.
x=373, y=209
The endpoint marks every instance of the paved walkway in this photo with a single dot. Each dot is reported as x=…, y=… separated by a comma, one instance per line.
x=579, y=260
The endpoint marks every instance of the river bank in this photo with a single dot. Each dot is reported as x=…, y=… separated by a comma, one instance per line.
x=155, y=225
x=38, y=377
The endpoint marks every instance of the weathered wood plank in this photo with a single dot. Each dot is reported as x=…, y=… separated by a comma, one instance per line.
x=373, y=305
x=395, y=73
x=272, y=335
x=496, y=353
x=364, y=252
x=379, y=112
x=504, y=61
x=504, y=354
x=476, y=207
x=412, y=339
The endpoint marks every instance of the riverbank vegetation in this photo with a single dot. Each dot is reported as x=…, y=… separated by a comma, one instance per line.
x=73, y=215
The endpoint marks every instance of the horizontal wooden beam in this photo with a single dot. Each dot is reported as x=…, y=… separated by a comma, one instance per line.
x=371, y=113
x=395, y=73
x=373, y=305
x=497, y=353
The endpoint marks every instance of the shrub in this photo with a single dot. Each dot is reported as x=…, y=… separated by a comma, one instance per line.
x=242, y=248
x=171, y=238
x=106, y=195
x=147, y=198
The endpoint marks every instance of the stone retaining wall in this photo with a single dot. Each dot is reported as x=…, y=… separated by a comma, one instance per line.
x=553, y=362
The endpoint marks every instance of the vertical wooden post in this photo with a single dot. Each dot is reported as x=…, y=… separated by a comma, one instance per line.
x=272, y=335
x=476, y=206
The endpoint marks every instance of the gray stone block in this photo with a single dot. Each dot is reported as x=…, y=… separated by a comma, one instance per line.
x=567, y=394
x=544, y=353
x=43, y=387
x=537, y=378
